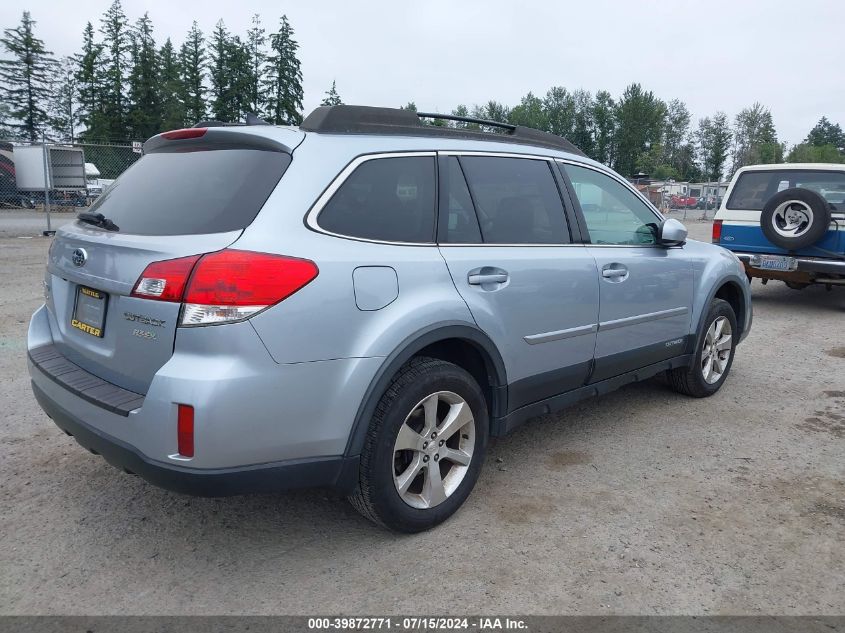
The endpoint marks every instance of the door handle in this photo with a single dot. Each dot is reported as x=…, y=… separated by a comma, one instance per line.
x=614, y=272
x=490, y=278
x=487, y=275
x=610, y=273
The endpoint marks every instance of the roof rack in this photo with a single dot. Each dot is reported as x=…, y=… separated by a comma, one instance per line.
x=347, y=119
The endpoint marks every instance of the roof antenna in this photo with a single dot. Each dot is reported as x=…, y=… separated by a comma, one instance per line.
x=253, y=119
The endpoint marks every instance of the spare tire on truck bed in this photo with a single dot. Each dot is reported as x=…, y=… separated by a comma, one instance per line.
x=795, y=218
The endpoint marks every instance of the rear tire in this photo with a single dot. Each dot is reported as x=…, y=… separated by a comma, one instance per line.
x=424, y=447
x=714, y=354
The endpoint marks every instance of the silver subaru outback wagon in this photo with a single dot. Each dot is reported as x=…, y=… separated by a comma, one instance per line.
x=361, y=303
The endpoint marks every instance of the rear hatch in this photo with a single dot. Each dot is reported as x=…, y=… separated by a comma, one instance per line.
x=193, y=192
x=740, y=219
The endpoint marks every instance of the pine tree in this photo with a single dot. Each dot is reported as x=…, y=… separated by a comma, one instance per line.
x=88, y=84
x=604, y=118
x=25, y=79
x=826, y=133
x=219, y=73
x=332, y=98
x=255, y=46
x=239, y=71
x=116, y=44
x=171, y=89
x=192, y=60
x=6, y=131
x=583, y=133
x=144, y=112
x=284, y=82
x=63, y=105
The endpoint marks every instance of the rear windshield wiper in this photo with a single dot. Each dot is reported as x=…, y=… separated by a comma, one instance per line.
x=97, y=219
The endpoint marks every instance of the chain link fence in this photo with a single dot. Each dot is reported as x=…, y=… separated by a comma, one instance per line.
x=685, y=201
x=58, y=177
x=55, y=178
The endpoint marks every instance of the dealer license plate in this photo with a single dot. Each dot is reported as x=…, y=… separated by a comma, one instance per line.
x=89, y=313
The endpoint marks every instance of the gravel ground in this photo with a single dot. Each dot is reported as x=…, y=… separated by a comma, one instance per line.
x=642, y=502
x=22, y=222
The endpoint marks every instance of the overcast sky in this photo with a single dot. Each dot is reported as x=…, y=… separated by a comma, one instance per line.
x=718, y=55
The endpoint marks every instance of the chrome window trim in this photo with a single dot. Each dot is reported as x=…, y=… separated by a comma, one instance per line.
x=470, y=152
x=313, y=214
x=530, y=245
x=312, y=217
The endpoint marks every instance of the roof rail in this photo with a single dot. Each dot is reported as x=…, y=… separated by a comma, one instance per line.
x=347, y=119
x=466, y=119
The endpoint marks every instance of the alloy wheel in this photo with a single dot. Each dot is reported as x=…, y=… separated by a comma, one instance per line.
x=717, y=349
x=433, y=449
x=792, y=218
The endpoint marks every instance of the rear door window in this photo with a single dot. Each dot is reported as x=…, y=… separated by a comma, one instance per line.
x=516, y=199
x=754, y=188
x=385, y=199
x=191, y=193
x=458, y=223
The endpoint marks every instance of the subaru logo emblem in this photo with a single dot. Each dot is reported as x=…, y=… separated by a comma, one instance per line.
x=79, y=257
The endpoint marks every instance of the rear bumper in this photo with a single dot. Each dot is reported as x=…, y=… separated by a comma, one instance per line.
x=810, y=269
x=338, y=473
x=260, y=425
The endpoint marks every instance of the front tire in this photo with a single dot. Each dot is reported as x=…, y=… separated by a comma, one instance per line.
x=714, y=354
x=424, y=447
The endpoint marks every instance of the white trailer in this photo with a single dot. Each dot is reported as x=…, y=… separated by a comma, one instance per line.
x=49, y=167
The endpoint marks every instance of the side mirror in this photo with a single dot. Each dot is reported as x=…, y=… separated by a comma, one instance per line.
x=672, y=233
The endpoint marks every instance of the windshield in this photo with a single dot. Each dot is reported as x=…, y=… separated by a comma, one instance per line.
x=754, y=188
x=191, y=193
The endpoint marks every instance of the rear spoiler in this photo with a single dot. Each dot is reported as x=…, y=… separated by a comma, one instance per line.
x=207, y=138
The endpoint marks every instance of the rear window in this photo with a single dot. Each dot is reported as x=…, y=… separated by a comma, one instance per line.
x=385, y=199
x=754, y=188
x=190, y=193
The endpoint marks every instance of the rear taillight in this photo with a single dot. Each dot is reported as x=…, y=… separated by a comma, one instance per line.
x=228, y=285
x=717, y=231
x=231, y=285
x=165, y=281
x=185, y=430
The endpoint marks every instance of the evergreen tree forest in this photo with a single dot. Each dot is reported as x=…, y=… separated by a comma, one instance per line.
x=125, y=83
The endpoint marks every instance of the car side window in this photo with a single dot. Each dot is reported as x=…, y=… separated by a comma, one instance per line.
x=387, y=199
x=614, y=214
x=458, y=223
x=516, y=200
